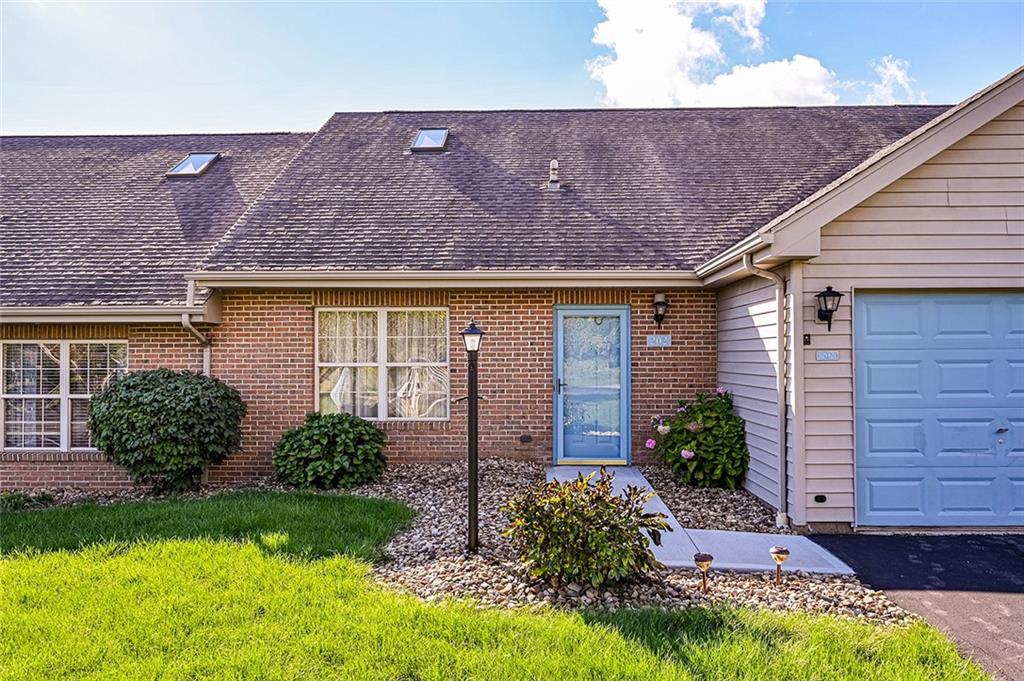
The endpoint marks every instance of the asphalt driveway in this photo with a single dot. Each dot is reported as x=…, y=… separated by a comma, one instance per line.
x=969, y=586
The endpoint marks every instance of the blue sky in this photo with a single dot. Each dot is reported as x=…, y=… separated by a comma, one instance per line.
x=199, y=67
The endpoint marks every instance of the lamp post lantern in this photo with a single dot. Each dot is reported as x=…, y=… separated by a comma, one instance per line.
x=472, y=336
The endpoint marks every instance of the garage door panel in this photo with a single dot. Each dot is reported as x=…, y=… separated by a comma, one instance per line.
x=1015, y=320
x=965, y=319
x=940, y=409
x=939, y=321
x=893, y=497
x=933, y=378
x=960, y=495
x=1015, y=377
x=1014, y=440
x=938, y=437
x=939, y=496
x=1017, y=499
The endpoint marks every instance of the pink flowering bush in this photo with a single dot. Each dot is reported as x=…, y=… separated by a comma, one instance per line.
x=704, y=442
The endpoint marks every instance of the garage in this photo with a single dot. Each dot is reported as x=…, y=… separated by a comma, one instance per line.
x=939, y=385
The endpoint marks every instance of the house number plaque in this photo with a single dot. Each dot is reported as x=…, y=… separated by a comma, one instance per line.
x=659, y=341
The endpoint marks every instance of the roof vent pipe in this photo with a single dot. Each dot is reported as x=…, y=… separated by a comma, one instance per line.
x=553, y=184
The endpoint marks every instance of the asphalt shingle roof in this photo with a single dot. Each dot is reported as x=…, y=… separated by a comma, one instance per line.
x=93, y=220
x=662, y=188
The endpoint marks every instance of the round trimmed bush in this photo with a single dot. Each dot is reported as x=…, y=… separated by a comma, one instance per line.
x=582, y=531
x=705, y=442
x=166, y=426
x=331, y=450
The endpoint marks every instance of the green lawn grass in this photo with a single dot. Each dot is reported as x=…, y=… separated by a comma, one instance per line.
x=295, y=523
x=263, y=585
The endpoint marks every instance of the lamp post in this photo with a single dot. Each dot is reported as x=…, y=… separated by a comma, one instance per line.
x=471, y=338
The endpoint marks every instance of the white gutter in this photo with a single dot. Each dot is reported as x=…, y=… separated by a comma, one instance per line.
x=445, y=279
x=782, y=517
x=754, y=242
x=57, y=314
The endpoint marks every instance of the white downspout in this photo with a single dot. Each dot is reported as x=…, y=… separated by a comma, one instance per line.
x=186, y=323
x=782, y=516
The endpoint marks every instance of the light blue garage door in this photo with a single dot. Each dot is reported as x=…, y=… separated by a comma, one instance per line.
x=940, y=409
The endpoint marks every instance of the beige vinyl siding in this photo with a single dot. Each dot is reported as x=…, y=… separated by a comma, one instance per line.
x=748, y=360
x=957, y=221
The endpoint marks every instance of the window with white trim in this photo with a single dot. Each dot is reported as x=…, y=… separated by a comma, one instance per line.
x=46, y=387
x=398, y=353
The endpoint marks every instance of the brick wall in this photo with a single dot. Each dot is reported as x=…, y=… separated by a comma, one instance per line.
x=264, y=347
x=149, y=345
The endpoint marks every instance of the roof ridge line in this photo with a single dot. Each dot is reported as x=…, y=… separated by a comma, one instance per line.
x=158, y=134
x=259, y=198
x=650, y=109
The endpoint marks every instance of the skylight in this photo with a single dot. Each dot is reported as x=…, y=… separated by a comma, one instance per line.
x=194, y=164
x=430, y=139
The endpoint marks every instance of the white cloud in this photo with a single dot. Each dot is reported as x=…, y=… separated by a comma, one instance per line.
x=660, y=57
x=743, y=16
x=894, y=86
x=799, y=81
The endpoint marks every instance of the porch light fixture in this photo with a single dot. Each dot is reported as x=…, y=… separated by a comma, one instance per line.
x=828, y=303
x=779, y=555
x=472, y=336
x=660, y=306
x=703, y=562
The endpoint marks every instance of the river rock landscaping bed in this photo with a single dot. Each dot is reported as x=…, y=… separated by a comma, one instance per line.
x=703, y=508
x=429, y=558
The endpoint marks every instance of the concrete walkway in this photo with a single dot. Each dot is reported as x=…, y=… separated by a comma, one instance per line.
x=743, y=551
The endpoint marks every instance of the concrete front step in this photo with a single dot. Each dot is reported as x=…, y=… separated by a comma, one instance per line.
x=739, y=551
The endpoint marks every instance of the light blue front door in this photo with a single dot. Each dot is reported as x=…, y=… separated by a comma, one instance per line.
x=591, y=384
x=940, y=409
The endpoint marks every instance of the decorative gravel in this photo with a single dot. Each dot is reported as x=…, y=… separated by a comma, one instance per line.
x=701, y=508
x=429, y=558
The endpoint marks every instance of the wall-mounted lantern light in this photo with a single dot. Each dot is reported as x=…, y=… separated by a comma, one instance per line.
x=660, y=306
x=828, y=303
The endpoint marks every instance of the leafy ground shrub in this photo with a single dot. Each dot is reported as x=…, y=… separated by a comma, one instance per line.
x=12, y=500
x=582, y=531
x=331, y=450
x=704, y=442
x=165, y=426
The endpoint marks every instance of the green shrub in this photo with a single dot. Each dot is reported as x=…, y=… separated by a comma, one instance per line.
x=331, y=450
x=165, y=426
x=582, y=531
x=11, y=500
x=704, y=442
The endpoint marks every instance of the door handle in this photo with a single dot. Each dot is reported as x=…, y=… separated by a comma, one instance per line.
x=558, y=385
x=1000, y=431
